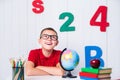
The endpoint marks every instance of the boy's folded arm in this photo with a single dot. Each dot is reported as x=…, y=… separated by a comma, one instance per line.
x=32, y=71
x=57, y=71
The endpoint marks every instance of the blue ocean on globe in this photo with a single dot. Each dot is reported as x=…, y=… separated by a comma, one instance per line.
x=69, y=59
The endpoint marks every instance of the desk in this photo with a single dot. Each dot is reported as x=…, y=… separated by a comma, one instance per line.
x=47, y=77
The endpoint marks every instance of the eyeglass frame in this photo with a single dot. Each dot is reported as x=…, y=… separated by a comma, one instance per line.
x=49, y=36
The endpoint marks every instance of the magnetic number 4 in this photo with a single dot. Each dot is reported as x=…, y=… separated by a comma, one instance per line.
x=103, y=23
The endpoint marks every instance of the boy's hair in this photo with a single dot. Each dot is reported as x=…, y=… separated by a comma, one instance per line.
x=48, y=28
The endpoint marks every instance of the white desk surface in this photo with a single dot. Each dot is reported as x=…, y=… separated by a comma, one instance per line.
x=47, y=77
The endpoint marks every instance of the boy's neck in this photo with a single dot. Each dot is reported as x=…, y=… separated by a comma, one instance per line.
x=47, y=53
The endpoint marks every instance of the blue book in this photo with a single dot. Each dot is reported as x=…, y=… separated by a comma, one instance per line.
x=87, y=78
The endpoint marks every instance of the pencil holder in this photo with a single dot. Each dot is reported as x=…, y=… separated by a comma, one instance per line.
x=17, y=73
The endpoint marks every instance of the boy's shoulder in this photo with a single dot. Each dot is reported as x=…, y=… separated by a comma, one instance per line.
x=57, y=51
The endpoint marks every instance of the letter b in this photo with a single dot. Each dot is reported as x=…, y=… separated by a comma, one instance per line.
x=88, y=55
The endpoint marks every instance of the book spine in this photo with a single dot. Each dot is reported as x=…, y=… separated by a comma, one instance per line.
x=91, y=70
x=86, y=78
x=89, y=75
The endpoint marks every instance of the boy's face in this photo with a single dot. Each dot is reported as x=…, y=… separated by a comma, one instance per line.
x=48, y=39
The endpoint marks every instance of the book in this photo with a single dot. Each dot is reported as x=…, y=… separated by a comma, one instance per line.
x=105, y=70
x=97, y=71
x=91, y=70
x=107, y=75
x=89, y=75
x=86, y=78
x=93, y=75
x=107, y=78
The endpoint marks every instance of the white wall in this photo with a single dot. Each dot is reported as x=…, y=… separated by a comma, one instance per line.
x=20, y=28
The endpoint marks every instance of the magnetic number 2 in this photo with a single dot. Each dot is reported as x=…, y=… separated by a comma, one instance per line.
x=66, y=26
x=103, y=23
x=38, y=7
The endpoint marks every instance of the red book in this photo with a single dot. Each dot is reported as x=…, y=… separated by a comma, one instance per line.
x=90, y=75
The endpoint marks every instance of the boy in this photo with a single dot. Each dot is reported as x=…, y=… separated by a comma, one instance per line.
x=45, y=61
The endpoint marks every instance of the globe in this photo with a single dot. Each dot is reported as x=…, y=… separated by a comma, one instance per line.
x=69, y=59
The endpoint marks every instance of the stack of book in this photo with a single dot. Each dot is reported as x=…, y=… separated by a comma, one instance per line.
x=95, y=73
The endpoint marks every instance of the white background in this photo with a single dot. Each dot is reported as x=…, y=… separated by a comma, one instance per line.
x=20, y=29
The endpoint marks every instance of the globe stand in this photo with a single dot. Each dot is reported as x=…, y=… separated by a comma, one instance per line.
x=69, y=75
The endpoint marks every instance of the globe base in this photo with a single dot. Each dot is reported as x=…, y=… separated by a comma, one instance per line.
x=69, y=75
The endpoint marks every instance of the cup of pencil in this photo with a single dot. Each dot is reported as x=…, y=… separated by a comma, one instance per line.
x=17, y=73
x=17, y=69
